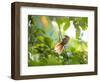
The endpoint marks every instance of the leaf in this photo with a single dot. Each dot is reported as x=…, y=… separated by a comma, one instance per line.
x=83, y=26
x=44, y=21
x=63, y=20
x=59, y=21
x=67, y=24
x=40, y=38
x=52, y=60
x=81, y=22
x=75, y=59
x=48, y=41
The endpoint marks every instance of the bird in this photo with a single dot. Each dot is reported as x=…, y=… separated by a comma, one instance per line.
x=59, y=47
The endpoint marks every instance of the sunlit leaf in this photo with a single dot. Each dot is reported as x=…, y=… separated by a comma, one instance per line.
x=44, y=21
x=40, y=38
x=67, y=24
x=63, y=20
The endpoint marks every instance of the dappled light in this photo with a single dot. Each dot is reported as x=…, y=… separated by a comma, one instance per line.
x=57, y=40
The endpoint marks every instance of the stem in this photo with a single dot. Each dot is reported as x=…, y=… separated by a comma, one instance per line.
x=60, y=35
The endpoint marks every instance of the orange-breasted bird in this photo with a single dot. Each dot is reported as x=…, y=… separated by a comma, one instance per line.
x=60, y=46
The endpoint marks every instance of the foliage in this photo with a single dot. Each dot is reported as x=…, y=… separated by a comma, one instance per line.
x=42, y=38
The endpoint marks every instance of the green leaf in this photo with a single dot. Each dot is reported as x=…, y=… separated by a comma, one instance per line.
x=81, y=22
x=40, y=38
x=48, y=41
x=59, y=21
x=83, y=26
x=67, y=24
x=64, y=20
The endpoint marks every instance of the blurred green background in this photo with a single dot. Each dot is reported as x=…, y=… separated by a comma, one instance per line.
x=44, y=32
